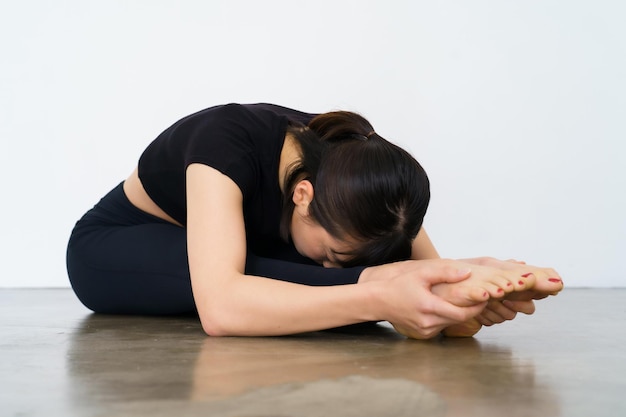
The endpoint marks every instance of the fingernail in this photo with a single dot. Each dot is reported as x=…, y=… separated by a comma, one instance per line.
x=527, y=275
x=554, y=280
x=507, y=304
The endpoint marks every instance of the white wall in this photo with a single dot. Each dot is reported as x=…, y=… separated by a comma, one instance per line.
x=515, y=108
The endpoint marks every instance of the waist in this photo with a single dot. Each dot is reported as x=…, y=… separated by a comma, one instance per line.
x=139, y=198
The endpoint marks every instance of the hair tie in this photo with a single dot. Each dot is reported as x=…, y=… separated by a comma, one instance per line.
x=358, y=136
x=362, y=137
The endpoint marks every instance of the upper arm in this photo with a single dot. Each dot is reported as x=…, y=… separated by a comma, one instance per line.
x=230, y=303
x=216, y=237
x=422, y=247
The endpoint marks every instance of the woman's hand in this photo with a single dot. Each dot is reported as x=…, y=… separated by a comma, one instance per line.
x=497, y=311
x=505, y=309
x=547, y=282
x=408, y=301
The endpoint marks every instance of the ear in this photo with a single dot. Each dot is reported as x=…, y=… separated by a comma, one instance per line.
x=303, y=195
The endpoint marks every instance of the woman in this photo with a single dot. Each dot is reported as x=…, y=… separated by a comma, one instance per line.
x=244, y=213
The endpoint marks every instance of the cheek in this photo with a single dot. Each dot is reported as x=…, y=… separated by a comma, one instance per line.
x=304, y=244
x=307, y=249
x=299, y=241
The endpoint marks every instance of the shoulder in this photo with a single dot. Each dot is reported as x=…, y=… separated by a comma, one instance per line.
x=251, y=116
x=215, y=113
x=247, y=114
x=269, y=112
x=260, y=109
x=231, y=119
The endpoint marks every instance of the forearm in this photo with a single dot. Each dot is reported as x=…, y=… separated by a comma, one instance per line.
x=256, y=306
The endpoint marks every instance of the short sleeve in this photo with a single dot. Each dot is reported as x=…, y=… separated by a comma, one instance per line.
x=229, y=139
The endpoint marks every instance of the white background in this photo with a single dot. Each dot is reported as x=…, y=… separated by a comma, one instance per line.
x=515, y=108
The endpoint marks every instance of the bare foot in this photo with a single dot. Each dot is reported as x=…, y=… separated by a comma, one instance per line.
x=543, y=287
x=492, y=279
x=546, y=280
x=520, y=304
x=484, y=283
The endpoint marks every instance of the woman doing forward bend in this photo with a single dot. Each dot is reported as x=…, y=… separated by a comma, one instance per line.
x=266, y=221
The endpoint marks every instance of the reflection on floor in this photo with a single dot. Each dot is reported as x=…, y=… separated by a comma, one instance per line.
x=59, y=360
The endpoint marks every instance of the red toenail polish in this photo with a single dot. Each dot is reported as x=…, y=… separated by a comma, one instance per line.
x=520, y=282
x=527, y=275
x=508, y=284
x=554, y=280
x=500, y=290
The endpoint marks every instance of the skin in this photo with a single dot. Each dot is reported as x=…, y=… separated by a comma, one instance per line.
x=423, y=248
x=546, y=282
x=539, y=283
x=262, y=306
x=310, y=239
x=421, y=297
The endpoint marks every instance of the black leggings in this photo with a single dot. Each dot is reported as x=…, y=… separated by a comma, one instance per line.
x=121, y=260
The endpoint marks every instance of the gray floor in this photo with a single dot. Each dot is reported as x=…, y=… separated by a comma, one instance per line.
x=59, y=360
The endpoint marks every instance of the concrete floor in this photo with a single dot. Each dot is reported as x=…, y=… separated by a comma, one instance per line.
x=58, y=359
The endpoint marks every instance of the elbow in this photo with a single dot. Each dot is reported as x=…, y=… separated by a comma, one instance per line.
x=216, y=324
x=220, y=313
x=212, y=329
x=212, y=326
x=217, y=313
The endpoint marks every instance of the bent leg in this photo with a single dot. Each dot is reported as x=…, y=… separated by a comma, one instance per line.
x=132, y=270
x=121, y=260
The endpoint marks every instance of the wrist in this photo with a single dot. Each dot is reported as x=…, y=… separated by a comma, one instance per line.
x=384, y=272
x=368, y=274
x=377, y=300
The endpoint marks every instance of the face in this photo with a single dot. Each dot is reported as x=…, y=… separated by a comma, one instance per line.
x=311, y=239
x=314, y=242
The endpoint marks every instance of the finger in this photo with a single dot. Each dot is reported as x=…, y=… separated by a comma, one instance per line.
x=496, y=310
x=484, y=321
x=527, y=295
x=526, y=307
x=438, y=274
x=495, y=317
x=450, y=313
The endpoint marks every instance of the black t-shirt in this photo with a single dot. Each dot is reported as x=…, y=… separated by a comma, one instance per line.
x=242, y=141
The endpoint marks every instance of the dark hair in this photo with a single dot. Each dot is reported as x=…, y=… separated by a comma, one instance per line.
x=366, y=188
